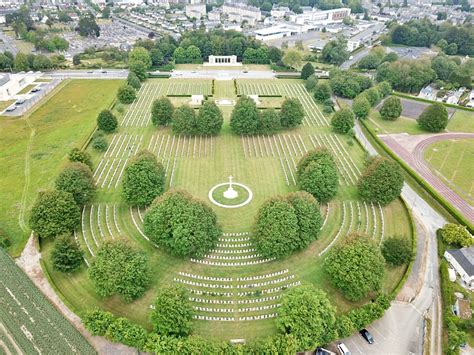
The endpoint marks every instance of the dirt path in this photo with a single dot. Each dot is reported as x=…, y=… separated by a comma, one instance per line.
x=29, y=262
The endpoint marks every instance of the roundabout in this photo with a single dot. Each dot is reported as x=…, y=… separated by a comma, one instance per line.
x=230, y=194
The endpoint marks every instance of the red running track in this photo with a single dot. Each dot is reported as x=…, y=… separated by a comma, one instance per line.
x=417, y=162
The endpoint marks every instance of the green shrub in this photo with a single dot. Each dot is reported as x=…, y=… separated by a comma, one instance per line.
x=397, y=250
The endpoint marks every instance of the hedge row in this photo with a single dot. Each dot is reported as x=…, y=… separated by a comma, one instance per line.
x=445, y=204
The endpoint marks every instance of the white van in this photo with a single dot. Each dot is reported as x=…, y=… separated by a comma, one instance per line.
x=343, y=350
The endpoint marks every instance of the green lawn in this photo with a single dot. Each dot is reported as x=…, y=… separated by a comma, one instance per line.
x=462, y=121
x=26, y=89
x=453, y=161
x=400, y=125
x=264, y=164
x=5, y=104
x=33, y=148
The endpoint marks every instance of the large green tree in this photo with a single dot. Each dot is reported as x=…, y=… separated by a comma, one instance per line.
x=245, y=117
x=434, y=118
x=106, y=121
x=317, y=174
x=66, y=255
x=209, y=119
x=285, y=224
x=172, y=313
x=381, y=182
x=181, y=224
x=120, y=269
x=184, y=121
x=322, y=92
x=126, y=94
x=335, y=52
x=76, y=178
x=162, y=111
x=78, y=155
x=307, y=314
x=139, y=61
x=343, y=121
x=355, y=267
x=143, y=179
x=54, y=213
x=307, y=71
x=361, y=106
x=397, y=250
x=291, y=113
x=391, y=108
x=269, y=122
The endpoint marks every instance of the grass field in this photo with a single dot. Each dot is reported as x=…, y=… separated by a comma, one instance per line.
x=461, y=121
x=26, y=89
x=453, y=162
x=266, y=164
x=5, y=104
x=33, y=148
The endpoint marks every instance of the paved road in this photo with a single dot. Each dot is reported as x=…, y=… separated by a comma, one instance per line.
x=209, y=73
x=401, y=329
x=355, y=58
x=89, y=74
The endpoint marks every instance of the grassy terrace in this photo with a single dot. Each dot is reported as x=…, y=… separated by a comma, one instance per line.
x=33, y=148
x=266, y=164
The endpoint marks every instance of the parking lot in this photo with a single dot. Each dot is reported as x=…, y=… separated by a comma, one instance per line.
x=411, y=52
x=413, y=109
x=31, y=98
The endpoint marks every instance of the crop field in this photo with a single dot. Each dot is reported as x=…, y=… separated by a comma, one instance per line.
x=29, y=324
x=453, y=161
x=33, y=148
x=234, y=291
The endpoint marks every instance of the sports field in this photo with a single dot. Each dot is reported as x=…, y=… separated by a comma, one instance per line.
x=33, y=148
x=234, y=292
x=453, y=161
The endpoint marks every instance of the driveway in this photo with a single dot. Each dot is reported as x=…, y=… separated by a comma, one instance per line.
x=355, y=58
x=89, y=74
x=219, y=74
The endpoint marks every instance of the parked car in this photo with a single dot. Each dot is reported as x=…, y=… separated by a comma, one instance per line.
x=11, y=108
x=20, y=102
x=35, y=89
x=343, y=350
x=367, y=336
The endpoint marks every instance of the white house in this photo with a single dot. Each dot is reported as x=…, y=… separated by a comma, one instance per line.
x=462, y=260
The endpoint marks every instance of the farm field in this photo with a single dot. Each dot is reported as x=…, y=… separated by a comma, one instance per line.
x=29, y=324
x=453, y=161
x=33, y=148
x=235, y=292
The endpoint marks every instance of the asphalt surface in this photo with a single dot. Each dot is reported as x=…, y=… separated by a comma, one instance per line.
x=355, y=58
x=209, y=73
x=401, y=329
x=89, y=74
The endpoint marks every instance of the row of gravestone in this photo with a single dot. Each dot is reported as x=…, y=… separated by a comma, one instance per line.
x=242, y=263
x=245, y=301
x=232, y=319
x=238, y=310
x=269, y=290
x=234, y=257
x=233, y=251
x=265, y=283
x=230, y=279
x=230, y=286
x=227, y=245
x=207, y=278
x=260, y=277
x=235, y=234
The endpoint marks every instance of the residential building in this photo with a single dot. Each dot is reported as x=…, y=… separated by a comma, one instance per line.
x=365, y=37
x=462, y=261
x=279, y=11
x=196, y=10
x=313, y=15
x=238, y=12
